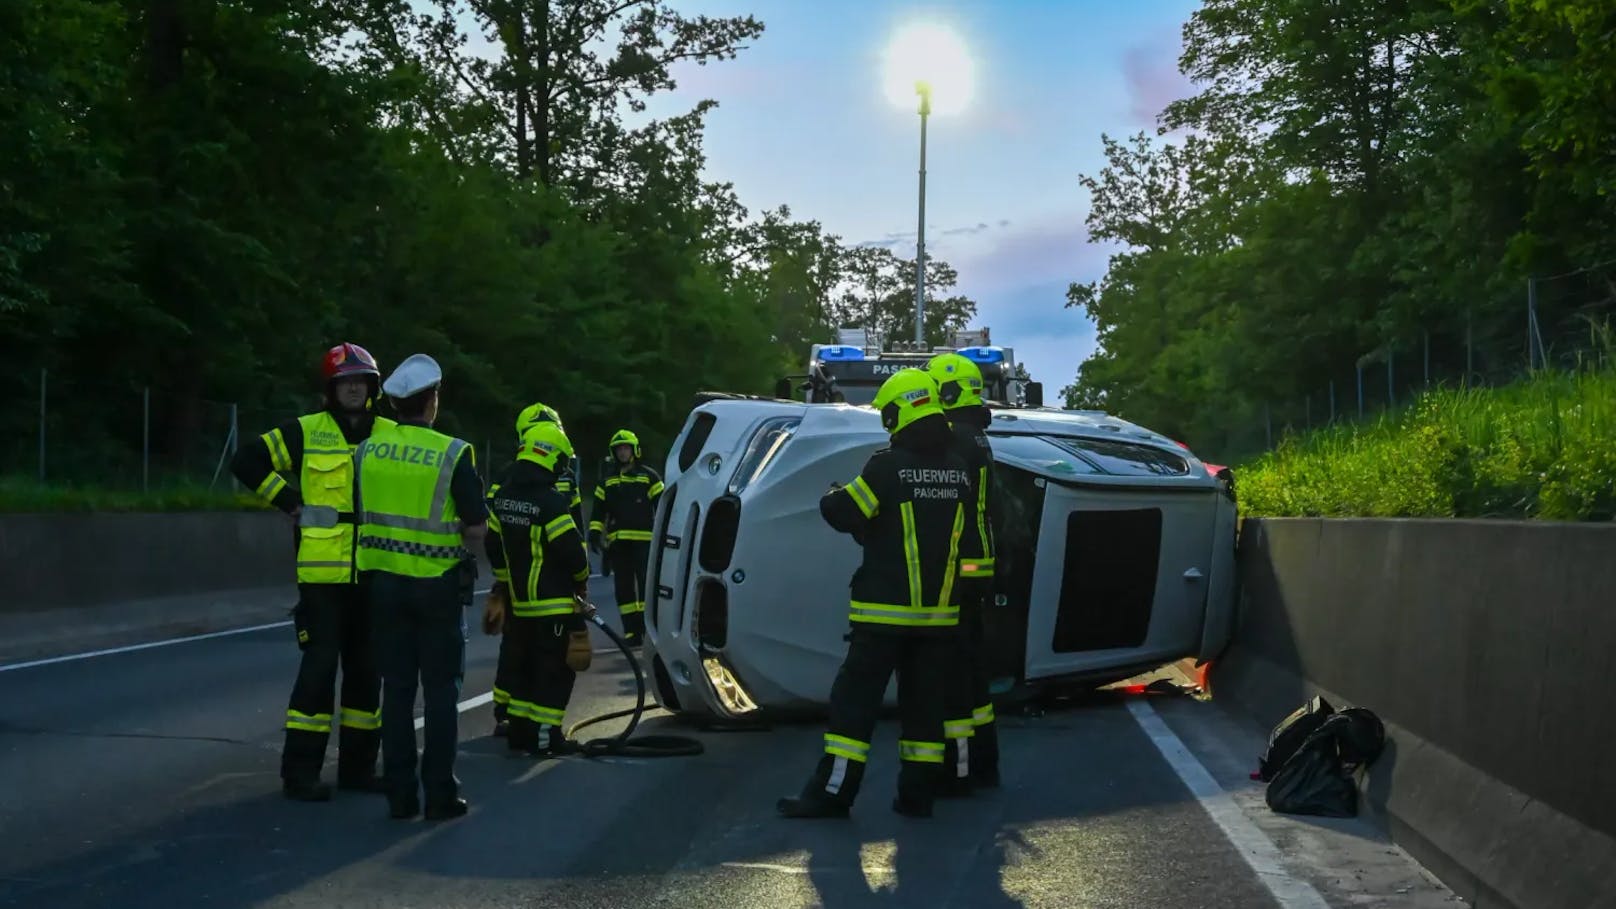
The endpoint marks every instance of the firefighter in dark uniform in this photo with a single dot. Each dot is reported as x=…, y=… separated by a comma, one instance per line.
x=625, y=502
x=971, y=757
x=608, y=466
x=566, y=483
x=909, y=509
x=541, y=569
x=304, y=467
x=420, y=509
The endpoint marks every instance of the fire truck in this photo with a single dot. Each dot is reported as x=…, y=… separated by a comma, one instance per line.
x=851, y=370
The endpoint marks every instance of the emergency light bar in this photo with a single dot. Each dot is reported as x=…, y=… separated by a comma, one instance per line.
x=982, y=354
x=840, y=353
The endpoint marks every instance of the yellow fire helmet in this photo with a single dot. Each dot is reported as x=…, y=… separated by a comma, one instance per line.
x=906, y=397
x=959, y=381
x=533, y=414
x=624, y=437
x=546, y=445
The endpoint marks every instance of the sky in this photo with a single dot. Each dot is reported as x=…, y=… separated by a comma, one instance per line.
x=803, y=121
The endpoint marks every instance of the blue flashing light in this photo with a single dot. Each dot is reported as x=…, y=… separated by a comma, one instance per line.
x=983, y=354
x=840, y=353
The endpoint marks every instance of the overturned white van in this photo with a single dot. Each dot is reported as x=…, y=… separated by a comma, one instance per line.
x=1115, y=553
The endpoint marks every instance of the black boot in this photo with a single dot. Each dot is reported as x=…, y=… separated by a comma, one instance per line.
x=985, y=757
x=912, y=806
x=362, y=783
x=306, y=790
x=811, y=807
x=443, y=811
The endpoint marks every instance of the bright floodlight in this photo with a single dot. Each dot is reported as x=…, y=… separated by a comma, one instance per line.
x=935, y=56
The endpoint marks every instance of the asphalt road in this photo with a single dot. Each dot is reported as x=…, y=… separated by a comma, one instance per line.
x=150, y=778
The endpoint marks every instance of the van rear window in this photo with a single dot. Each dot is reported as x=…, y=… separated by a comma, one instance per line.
x=1126, y=459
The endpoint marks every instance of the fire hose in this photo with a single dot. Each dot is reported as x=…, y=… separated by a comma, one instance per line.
x=622, y=744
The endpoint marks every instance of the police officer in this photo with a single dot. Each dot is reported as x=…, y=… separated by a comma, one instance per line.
x=625, y=503
x=420, y=508
x=972, y=754
x=541, y=567
x=908, y=508
x=332, y=617
x=566, y=483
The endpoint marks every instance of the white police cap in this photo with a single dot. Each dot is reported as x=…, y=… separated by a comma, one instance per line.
x=416, y=374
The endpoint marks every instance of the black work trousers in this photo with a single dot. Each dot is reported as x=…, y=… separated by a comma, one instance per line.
x=333, y=628
x=628, y=577
x=541, y=682
x=420, y=641
x=509, y=655
x=920, y=658
x=969, y=724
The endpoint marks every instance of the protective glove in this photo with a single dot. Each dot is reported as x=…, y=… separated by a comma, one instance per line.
x=495, y=609
x=579, y=651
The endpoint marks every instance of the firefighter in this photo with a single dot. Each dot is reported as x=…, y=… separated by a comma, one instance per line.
x=421, y=508
x=608, y=466
x=909, y=508
x=541, y=569
x=332, y=617
x=566, y=483
x=971, y=757
x=625, y=501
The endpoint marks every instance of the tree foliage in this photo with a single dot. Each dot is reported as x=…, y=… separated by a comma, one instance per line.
x=200, y=197
x=1350, y=181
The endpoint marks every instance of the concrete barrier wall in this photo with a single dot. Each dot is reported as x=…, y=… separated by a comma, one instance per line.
x=52, y=561
x=1485, y=646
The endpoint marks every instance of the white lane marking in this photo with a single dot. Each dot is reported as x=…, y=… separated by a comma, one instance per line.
x=1256, y=849
x=150, y=644
x=147, y=646
x=463, y=706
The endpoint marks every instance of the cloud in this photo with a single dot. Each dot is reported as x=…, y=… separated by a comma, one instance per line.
x=1151, y=74
x=1050, y=339
x=1052, y=250
x=907, y=237
x=890, y=241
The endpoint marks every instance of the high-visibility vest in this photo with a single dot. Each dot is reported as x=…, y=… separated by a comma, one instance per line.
x=408, y=524
x=326, y=528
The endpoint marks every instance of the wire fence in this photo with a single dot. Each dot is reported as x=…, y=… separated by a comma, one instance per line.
x=1564, y=323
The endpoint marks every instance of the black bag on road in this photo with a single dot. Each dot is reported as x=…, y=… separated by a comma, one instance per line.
x=1288, y=736
x=1314, y=780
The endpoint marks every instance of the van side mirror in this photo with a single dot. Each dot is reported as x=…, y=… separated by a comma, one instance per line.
x=782, y=389
x=1035, y=394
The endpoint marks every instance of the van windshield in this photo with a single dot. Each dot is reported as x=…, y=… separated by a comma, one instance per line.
x=857, y=393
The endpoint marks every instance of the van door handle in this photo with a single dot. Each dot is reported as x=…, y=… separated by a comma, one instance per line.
x=1193, y=575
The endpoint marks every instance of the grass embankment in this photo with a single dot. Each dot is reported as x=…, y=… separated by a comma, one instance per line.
x=1542, y=448
x=26, y=495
